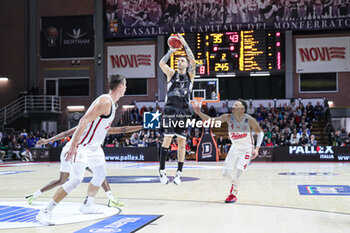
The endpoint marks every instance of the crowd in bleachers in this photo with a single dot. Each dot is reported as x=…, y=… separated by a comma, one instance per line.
x=286, y=124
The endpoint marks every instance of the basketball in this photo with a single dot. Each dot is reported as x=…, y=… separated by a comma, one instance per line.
x=174, y=42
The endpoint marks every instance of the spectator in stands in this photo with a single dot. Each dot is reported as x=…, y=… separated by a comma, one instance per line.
x=15, y=147
x=223, y=109
x=329, y=129
x=173, y=151
x=294, y=138
x=212, y=111
x=127, y=143
x=143, y=109
x=293, y=105
x=259, y=117
x=221, y=142
x=24, y=133
x=251, y=110
x=115, y=142
x=305, y=130
x=313, y=141
x=303, y=140
x=274, y=139
x=134, y=140
x=195, y=140
x=269, y=143
x=26, y=155
x=318, y=111
x=343, y=136
x=310, y=111
x=282, y=141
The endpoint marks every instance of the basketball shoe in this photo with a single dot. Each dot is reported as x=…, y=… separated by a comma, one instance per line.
x=232, y=196
x=177, y=178
x=115, y=203
x=30, y=198
x=90, y=209
x=44, y=218
x=162, y=177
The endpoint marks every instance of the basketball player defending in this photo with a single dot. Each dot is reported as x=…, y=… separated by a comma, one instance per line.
x=84, y=150
x=66, y=166
x=179, y=87
x=240, y=127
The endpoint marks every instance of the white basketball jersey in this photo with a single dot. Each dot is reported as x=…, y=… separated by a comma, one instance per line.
x=240, y=133
x=95, y=132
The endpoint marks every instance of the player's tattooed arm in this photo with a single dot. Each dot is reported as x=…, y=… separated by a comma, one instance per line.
x=192, y=64
x=59, y=136
x=165, y=68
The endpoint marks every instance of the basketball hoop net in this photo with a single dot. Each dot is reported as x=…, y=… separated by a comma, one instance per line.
x=199, y=101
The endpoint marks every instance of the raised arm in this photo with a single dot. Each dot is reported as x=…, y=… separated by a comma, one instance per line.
x=165, y=68
x=204, y=117
x=57, y=137
x=192, y=64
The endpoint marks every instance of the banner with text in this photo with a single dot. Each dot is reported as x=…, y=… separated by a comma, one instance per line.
x=133, y=18
x=329, y=54
x=132, y=61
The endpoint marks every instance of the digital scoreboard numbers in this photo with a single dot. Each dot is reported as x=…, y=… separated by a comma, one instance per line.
x=223, y=52
x=230, y=53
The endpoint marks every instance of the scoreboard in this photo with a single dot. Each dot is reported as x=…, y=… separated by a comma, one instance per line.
x=229, y=53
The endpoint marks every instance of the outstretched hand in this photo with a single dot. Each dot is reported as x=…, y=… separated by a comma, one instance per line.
x=42, y=142
x=196, y=107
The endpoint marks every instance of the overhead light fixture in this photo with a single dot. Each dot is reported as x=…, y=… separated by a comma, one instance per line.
x=4, y=79
x=260, y=73
x=128, y=106
x=76, y=108
x=226, y=75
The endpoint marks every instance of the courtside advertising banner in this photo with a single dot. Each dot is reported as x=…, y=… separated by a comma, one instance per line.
x=132, y=61
x=65, y=37
x=330, y=54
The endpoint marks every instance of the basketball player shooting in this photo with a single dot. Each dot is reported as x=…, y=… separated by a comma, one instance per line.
x=179, y=87
x=85, y=150
x=65, y=166
x=240, y=127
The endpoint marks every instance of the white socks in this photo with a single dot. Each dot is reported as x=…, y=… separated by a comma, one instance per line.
x=109, y=195
x=89, y=200
x=52, y=204
x=36, y=194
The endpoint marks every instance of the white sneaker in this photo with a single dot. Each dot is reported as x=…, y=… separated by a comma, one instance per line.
x=177, y=178
x=162, y=177
x=90, y=209
x=44, y=218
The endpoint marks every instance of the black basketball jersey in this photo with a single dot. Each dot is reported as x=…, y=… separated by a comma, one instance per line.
x=179, y=90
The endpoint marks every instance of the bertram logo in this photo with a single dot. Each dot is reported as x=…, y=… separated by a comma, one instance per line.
x=325, y=152
x=76, y=38
x=321, y=53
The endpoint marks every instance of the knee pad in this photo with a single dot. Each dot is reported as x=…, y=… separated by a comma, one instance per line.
x=99, y=175
x=71, y=184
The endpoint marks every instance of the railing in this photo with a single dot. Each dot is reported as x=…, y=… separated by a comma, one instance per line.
x=29, y=104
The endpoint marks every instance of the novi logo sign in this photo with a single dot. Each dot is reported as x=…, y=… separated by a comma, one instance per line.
x=130, y=60
x=321, y=53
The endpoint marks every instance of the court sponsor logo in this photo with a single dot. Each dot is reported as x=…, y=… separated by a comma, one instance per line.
x=330, y=190
x=129, y=157
x=121, y=223
x=12, y=172
x=342, y=157
x=307, y=174
x=325, y=152
x=20, y=215
x=137, y=179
